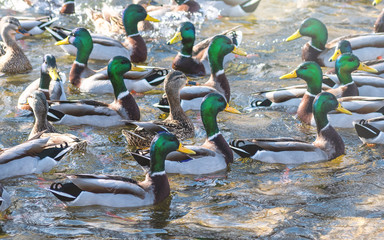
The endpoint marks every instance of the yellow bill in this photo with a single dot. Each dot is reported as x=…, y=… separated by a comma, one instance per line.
x=137, y=69
x=292, y=74
x=185, y=150
x=231, y=109
x=335, y=55
x=294, y=36
x=375, y=2
x=343, y=110
x=151, y=19
x=53, y=73
x=63, y=42
x=364, y=67
x=238, y=51
x=175, y=39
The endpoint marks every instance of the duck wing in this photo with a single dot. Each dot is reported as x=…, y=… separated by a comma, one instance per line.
x=31, y=147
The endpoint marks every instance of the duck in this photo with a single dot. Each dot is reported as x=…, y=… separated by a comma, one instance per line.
x=104, y=48
x=117, y=191
x=191, y=96
x=347, y=94
x=213, y=156
x=34, y=156
x=13, y=59
x=87, y=80
x=5, y=200
x=236, y=8
x=50, y=82
x=177, y=121
x=370, y=131
x=94, y=113
x=327, y=146
x=38, y=102
x=193, y=58
x=365, y=46
x=68, y=7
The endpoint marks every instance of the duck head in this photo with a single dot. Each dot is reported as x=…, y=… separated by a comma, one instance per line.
x=133, y=14
x=9, y=26
x=313, y=28
x=48, y=71
x=343, y=46
x=186, y=34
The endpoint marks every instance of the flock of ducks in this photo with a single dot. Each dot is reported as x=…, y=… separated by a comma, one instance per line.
x=158, y=142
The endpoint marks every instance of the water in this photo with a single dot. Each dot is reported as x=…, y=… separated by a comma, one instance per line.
x=337, y=199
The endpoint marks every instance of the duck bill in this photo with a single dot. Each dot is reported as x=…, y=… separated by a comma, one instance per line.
x=294, y=36
x=231, y=109
x=185, y=150
x=138, y=69
x=335, y=55
x=65, y=41
x=364, y=67
x=23, y=31
x=292, y=74
x=343, y=110
x=151, y=19
x=175, y=39
x=375, y=2
x=238, y=51
x=54, y=74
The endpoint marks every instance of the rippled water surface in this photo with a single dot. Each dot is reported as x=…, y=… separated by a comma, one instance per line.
x=342, y=198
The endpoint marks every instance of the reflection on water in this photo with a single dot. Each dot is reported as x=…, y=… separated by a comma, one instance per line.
x=342, y=198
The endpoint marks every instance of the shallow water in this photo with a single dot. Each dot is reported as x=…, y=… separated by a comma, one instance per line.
x=338, y=199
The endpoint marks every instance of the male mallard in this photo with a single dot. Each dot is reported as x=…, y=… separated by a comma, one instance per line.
x=213, y=156
x=371, y=130
x=193, y=59
x=100, y=114
x=191, y=96
x=53, y=90
x=5, y=199
x=236, y=8
x=39, y=105
x=365, y=46
x=177, y=122
x=328, y=144
x=97, y=82
x=116, y=191
x=14, y=60
x=105, y=48
x=34, y=156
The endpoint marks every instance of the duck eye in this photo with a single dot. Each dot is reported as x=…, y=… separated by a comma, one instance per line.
x=304, y=67
x=351, y=59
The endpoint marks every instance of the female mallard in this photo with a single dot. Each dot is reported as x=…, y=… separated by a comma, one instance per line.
x=100, y=114
x=193, y=59
x=236, y=8
x=34, y=156
x=191, y=97
x=365, y=46
x=5, y=199
x=116, y=191
x=328, y=144
x=88, y=80
x=371, y=130
x=105, y=48
x=177, y=122
x=14, y=60
x=53, y=90
x=213, y=156
x=39, y=105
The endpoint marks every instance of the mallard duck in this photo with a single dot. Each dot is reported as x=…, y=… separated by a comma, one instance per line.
x=193, y=59
x=53, y=90
x=236, y=8
x=68, y=7
x=14, y=60
x=100, y=114
x=361, y=106
x=213, y=156
x=328, y=144
x=371, y=130
x=177, y=122
x=116, y=191
x=88, y=80
x=34, y=156
x=192, y=96
x=5, y=199
x=365, y=46
x=39, y=105
x=104, y=48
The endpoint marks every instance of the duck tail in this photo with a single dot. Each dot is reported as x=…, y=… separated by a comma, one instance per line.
x=65, y=192
x=163, y=104
x=365, y=130
x=244, y=148
x=156, y=77
x=56, y=152
x=141, y=159
x=250, y=6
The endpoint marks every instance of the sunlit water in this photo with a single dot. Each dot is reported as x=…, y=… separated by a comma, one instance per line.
x=342, y=198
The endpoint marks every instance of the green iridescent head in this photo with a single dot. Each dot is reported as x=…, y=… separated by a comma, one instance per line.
x=311, y=73
x=133, y=14
x=346, y=64
x=185, y=34
x=313, y=28
x=343, y=46
x=117, y=66
x=179, y=2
